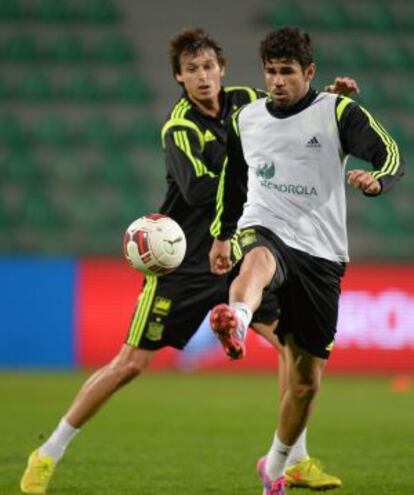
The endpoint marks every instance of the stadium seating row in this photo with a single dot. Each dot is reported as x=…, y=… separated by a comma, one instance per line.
x=68, y=166
x=43, y=210
x=336, y=15
x=387, y=93
x=67, y=48
x=37, y=210
x=60, y=11
x=97, y=130
x=82, y=87
x=389, y=56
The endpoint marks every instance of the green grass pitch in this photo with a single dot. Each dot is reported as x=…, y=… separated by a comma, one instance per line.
x=177, y=434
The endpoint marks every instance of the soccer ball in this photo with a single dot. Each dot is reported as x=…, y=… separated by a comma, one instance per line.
x=154, y=244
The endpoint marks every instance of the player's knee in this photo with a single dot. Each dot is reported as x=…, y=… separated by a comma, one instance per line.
x=128, y=370
x=128, y=366
x=132, y=370
x=305, y=391
x=262, y=257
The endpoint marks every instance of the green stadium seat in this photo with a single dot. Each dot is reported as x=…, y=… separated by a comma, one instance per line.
x=330, y=16
x=142, y=132
x=5, y=218
x=400, y=134
x=407, y=100
x=405, y=22
x=114, y=49
x=20, y=48
x=373, y=95
x=12, y=134
x=346, y=58
x=51, y=130
x=11, y=10
x=132, y=89
x=115, y=169
x=21, y=167
x=352, y=58
x=34, y=87
x=4, y=91
x=133, y=203
x=394, y=57
x=68, y=168
x=85, y=210
x=38, y=212
x=66, y=49
x=381, y=216
x=376, y=17
x=83, y=87
x=290, y=14
x=99, y=131
x=51, y=10
x=98, y=12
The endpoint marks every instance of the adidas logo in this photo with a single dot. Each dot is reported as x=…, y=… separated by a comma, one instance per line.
x=313, y=143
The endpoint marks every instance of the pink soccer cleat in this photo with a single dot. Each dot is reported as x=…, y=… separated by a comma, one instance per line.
x=226, y=326
x=270, y=487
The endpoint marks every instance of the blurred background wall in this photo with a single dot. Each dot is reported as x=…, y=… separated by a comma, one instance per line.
x=84, y=88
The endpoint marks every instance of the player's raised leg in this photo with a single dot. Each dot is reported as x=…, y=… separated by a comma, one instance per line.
x=230, y=322
x=128, y=364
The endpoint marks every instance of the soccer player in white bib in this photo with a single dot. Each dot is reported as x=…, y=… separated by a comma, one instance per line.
x=283, y=190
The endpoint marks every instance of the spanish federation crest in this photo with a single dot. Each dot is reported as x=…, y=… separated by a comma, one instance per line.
x=155, y=331
x=266, y=170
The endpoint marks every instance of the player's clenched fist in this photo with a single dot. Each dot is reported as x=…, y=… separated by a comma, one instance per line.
x=220, y=257
x=363, y=180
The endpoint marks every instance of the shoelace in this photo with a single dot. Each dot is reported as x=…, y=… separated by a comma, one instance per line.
x=42, y=472
x=313, y=464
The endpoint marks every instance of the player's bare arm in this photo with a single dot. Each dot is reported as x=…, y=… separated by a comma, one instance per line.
x=363, y=180
x=220, y=257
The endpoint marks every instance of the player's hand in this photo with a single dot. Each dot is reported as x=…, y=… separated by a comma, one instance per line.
x=220, y=257
x=344, y=86
x=363, y=180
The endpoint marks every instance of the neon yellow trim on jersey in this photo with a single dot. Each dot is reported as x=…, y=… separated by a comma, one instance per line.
x=141, y=314
x=341, y=107
x=209, y=136
x=236, y=249
x=392, y=162
x=180, y=108
x=215, y=227
x=234, y=121
x=251, y=92
x=182, y=142
x=177, y=122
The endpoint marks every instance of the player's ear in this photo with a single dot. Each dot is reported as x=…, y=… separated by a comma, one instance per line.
x=310, y=72
x=222, y=70
x=179, y=77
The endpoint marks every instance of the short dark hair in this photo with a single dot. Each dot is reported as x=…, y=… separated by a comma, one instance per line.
x=193, y=41
x=289, y=43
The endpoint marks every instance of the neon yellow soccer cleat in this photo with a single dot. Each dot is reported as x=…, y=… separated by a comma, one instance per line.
x=309, y=474
x=38, y=473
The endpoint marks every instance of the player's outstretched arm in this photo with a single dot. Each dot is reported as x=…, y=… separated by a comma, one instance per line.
x=364, y=137
x=220, y=257
x=344, y=86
